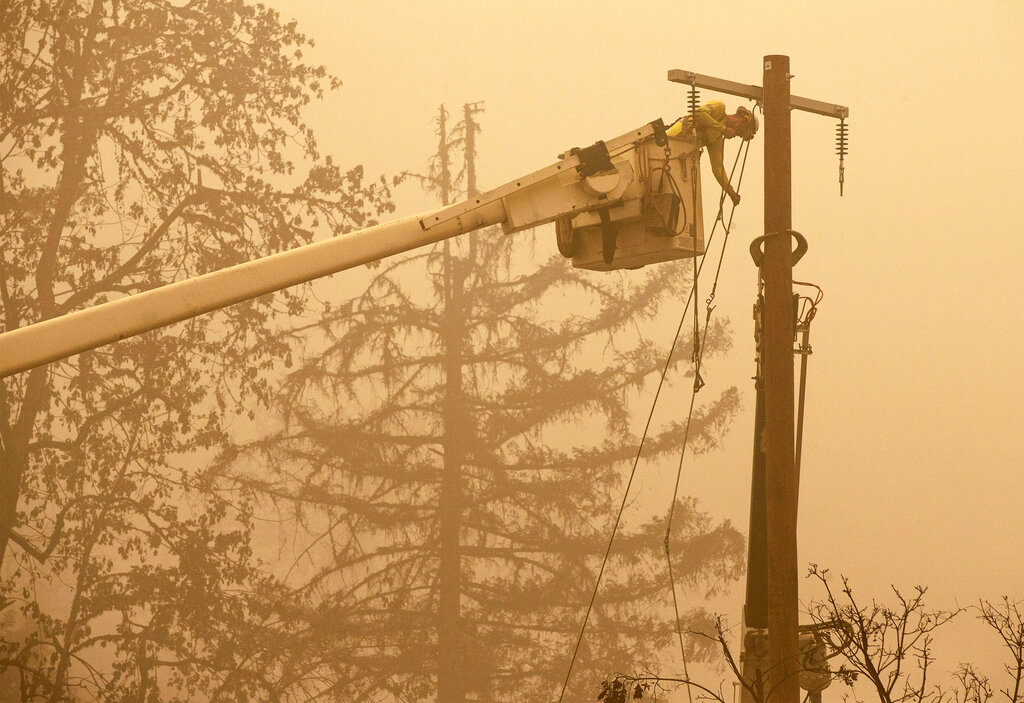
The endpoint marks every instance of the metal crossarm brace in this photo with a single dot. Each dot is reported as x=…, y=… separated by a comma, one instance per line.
x=755, y=92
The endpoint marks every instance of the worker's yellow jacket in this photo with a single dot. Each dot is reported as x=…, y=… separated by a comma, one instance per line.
x=708, y=126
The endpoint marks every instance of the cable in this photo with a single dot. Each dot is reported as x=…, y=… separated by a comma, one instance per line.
x=695, y=355
x=643, y=438
x=625, y=495
x=666, y=175
x=732, y=213
x=808, y=309
x=668, y=530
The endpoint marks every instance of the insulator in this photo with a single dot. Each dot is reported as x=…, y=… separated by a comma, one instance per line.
x=842, y=138
x=842, y=142
x=693, y=101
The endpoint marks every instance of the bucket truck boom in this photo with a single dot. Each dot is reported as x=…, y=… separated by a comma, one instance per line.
x=624, y=203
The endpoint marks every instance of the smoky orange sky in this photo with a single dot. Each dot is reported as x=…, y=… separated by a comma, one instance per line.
x=913, y=464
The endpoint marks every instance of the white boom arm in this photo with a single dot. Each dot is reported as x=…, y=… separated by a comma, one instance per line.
x=577, y=184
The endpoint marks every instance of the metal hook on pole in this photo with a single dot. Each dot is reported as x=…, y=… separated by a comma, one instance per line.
x=757, y=246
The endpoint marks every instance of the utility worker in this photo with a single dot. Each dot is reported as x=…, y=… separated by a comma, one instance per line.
x=712, y=126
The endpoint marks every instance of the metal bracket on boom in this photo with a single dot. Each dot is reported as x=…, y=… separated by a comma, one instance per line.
x=660, y=135
x=593, y=159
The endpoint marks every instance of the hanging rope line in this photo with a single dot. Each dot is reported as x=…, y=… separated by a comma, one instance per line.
x=668, y=530
x=732, y=213
x=695, y=354
x=694, y=100
x=727, y=227
x=647, y=426
x=625, y=495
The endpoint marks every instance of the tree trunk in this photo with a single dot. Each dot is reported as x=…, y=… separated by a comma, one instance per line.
x=451, y=660
x=78, y=140
x=14, y=453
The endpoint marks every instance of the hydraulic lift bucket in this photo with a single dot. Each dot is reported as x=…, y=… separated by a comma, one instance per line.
x=660, y=220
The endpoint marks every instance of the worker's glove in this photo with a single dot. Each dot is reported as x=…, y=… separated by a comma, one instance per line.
x=735, y=197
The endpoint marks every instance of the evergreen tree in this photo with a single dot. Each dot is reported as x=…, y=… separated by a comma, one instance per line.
x=455, y=455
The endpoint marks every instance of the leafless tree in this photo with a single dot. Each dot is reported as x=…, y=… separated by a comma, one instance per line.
x=1004, y=617
x=888, y=645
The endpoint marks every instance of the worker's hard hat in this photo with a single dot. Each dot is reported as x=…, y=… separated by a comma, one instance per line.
x=751, y=119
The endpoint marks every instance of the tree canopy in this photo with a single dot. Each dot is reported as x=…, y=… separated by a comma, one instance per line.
x=145, y=142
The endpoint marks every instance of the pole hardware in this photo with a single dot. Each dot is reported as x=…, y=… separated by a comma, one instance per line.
x=772, y=601
x=693, y=99
x=757, y=246
x=756, y=93
x=842, y=142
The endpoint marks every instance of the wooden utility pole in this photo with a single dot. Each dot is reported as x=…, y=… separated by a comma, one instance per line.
x=780, y=475
x=772, y=575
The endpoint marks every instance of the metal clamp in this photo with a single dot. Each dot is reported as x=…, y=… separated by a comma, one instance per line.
x=593, y=159
x=660, y=137
x=757, y=252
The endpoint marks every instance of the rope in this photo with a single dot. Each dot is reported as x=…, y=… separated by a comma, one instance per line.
x=693, y=397
x=625, y=495
x=695, y=355
x=668, y=529
x=643, y=438
x=732, y=213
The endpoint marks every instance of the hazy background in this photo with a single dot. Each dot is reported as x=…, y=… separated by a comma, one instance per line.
x=913, y=466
